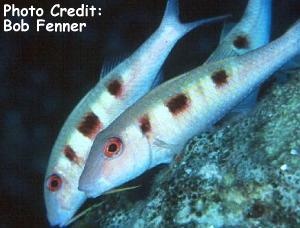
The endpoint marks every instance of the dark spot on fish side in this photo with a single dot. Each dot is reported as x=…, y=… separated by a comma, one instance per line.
x=220, y=78
x=90, y=125
x=145, y=124
x=178, y=104
x=70, y=153
x=115, y=88
x=241, y=42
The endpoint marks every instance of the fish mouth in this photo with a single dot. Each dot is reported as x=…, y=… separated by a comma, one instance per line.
x=60, y=215
x=59, y=218
x=57, y=214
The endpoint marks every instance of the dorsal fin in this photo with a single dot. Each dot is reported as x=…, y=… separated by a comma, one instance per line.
x=227, y=27
x=158, y=79
x=161, y=152
x=110, y=63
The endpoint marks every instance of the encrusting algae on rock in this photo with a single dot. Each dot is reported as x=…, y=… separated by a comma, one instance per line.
x=246, y=173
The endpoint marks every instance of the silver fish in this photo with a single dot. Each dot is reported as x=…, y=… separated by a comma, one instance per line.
x=158, y=126
x=118, y=90
x=252, y=31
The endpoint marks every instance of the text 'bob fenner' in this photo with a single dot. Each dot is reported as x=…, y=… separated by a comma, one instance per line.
x=56, y=11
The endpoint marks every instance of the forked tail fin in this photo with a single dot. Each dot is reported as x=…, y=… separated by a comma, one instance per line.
x=171, y=18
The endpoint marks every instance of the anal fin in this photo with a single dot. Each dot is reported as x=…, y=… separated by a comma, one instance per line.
x=162, y=152
x=247, y=104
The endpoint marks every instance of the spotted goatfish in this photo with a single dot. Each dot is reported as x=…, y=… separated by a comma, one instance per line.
x=118, y=90
x=252, y=31
x=157, y=127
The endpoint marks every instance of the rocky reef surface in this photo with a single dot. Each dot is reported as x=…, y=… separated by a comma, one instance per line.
x=245, y=172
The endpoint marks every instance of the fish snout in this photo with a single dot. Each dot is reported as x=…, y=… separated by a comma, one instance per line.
x=59, y=217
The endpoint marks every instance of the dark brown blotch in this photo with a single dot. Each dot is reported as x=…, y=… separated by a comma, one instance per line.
x=241, y=42
x=90, y=125
x=178, y=104
x=145, y=124
x=220, y=78
x=115, y=88
x=71, y=155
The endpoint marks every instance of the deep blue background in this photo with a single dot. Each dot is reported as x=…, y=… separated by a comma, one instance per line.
x=44, y=75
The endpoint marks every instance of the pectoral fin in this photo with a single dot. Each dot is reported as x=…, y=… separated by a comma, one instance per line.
x=163, y=152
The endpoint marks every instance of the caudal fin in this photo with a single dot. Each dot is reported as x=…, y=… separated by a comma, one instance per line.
x=171, y=18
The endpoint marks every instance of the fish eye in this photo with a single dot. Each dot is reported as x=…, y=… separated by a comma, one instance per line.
x=54, y=183
x=112, y=147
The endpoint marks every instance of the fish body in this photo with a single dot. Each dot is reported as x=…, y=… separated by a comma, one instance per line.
x=252, y=32
x=158, y=126
x=115, y=92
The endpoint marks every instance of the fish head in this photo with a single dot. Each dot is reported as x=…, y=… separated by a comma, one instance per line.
x=117, y=156
x=61, y=194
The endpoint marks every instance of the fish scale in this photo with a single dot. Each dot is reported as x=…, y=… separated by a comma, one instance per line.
x=114, y=93
x=176, y=111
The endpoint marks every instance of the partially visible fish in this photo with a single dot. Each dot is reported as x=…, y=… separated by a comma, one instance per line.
x=158, y=126
x=252, y=32
x=118, y=90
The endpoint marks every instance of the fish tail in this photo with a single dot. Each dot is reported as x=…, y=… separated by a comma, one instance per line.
x=257, y=18
x=171, y=18
x=254, y=6
x=266, y=19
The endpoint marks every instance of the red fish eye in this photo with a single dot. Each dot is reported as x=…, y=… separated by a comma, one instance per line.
x=112, y=147
x=54, y=183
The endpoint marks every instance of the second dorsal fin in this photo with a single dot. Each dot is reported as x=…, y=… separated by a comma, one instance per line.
x=227, y=27
x=158, y=79
x=110, y=63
